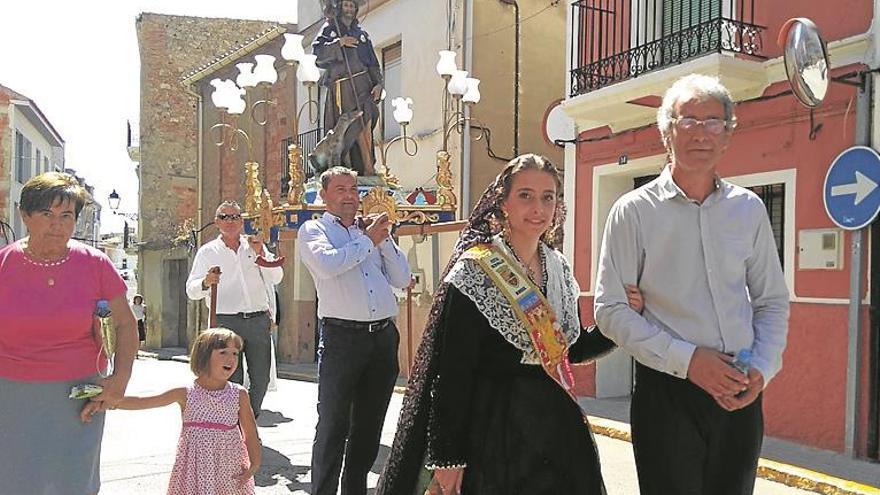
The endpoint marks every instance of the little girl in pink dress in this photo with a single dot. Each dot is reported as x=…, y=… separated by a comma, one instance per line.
x=219, y=449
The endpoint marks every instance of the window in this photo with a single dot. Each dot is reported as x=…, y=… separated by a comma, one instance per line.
x=23, y=149
x=773, y=196
x=17, y=224
x=46, y=166
x=391, y=67
x=38, y=161
x=683, y=14
x=682, y=20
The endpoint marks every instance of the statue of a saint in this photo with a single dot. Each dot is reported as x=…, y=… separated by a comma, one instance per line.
x=353, y=79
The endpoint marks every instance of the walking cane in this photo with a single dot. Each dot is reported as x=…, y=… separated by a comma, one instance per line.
x=212, y=319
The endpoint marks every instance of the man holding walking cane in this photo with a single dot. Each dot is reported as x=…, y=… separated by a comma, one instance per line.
x=231, y=264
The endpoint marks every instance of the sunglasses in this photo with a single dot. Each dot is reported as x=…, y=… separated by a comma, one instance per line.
x=713, y=126
x=229, y=216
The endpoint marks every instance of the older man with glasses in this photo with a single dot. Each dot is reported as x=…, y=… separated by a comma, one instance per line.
x=230, y=263
x=702, y=253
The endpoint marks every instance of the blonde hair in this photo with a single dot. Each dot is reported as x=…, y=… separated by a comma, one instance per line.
x=206, y=342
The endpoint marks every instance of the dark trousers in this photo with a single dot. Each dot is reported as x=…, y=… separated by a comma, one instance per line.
x=257, y=350
x=686, y=444
x=356, y=375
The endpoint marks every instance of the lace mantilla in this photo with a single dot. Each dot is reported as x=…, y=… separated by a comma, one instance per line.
x=562, y=293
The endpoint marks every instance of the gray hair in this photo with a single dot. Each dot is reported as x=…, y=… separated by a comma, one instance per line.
x=228, y=204
x=700, y=87
x=336, y=172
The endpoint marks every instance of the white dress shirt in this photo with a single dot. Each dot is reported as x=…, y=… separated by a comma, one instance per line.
x=709, y=274
x=243, y=283
x=353, y=277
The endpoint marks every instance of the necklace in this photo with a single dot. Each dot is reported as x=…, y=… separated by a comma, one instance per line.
x=528, y=266
x=32, y=259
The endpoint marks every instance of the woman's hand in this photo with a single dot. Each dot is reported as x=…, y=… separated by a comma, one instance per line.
x=446, y=482
x=634, y=298
x=114, y=391
x=89, y=410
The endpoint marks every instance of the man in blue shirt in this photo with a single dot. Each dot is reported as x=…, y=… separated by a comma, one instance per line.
x=353, y=79
x=354, y=263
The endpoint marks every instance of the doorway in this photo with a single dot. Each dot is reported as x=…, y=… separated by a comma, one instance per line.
x=174, y=303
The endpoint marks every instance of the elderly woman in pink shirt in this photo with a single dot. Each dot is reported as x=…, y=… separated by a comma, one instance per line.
x=49, y=289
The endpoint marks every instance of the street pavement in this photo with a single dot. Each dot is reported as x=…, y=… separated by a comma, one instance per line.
x=139, y=446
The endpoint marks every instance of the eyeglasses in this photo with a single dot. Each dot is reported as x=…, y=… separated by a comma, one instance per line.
x=229, y=217
x=712, y=126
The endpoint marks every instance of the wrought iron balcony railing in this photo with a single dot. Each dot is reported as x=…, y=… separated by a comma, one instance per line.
x=307, y=142
x=616, y=40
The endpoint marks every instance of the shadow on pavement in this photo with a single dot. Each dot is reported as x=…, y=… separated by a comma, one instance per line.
x=276, y=467
x=269, y=418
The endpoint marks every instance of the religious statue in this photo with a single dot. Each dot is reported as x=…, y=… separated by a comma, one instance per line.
x=354, y=83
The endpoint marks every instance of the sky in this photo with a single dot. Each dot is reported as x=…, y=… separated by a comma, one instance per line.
x=78, y=61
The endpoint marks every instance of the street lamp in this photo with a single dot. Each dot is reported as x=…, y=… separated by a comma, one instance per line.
x=403, y=115
x=113, y=201
x=465, y=93
x=235, y=98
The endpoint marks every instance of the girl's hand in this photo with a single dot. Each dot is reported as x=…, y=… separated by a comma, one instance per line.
x=634, y=298
x=446, y=482
x=246, y=474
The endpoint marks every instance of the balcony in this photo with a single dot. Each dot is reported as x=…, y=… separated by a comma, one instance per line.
x=656, y=42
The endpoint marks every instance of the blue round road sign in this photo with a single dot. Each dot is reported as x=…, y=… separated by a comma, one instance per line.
x=852, y=188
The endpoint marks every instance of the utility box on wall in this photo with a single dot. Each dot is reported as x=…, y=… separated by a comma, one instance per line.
x=820, y=249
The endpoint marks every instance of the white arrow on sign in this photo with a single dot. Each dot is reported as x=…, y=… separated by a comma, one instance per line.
x=862, y=187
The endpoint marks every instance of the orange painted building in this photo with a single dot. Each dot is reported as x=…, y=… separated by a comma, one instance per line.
x=623, y=55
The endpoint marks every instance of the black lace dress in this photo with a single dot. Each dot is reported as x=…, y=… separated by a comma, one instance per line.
x=513, y=427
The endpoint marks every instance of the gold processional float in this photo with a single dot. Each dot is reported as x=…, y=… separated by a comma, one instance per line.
x=381, y=192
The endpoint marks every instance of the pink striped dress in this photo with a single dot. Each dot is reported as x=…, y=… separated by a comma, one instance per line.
x=211, y=449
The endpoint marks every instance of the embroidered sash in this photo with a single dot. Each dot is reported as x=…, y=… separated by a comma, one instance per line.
x=531, y=308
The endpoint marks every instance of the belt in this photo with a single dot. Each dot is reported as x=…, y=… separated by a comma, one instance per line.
x=338, y=83
x=370, y=326
x=245, y=315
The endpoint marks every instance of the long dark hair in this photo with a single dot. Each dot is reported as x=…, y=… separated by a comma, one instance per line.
x=485, y=221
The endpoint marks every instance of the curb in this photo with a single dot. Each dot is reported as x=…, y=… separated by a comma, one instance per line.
x=778, y=472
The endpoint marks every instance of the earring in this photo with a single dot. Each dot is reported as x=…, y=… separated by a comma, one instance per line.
x=505, y=226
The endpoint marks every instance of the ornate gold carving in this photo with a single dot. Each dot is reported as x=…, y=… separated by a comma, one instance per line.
x=377, y=201
x=295, y=184
x=418, y=217
x=254, y=189
x=266, y=219
x=445, y=195
x=389, y=178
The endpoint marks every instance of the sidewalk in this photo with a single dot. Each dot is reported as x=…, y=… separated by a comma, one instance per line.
x=821, y=471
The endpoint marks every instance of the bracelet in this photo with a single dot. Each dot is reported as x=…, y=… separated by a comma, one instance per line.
x=434, y=467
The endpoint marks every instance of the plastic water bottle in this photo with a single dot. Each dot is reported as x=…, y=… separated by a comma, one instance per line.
x=743, y=361
x=102, y=310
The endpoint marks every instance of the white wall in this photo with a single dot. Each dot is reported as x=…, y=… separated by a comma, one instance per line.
x=18, y=121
